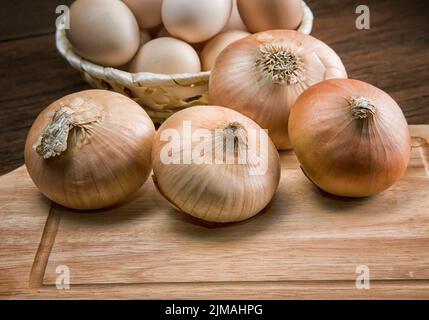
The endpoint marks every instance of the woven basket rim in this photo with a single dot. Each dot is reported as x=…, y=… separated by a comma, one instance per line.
x=140, y=79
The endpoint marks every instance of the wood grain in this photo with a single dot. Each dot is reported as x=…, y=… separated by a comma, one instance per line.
x=27, y=18
x=393, y=55
x=23, y=214
x=305, y=245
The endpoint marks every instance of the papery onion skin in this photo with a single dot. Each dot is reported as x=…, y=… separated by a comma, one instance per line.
x=218, y=193
x=346, y=153
x=101, y=167
x=238, y=83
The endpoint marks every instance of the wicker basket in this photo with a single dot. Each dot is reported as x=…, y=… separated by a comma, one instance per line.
x=159, y=94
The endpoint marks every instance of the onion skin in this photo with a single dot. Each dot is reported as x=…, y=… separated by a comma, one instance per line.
x=343, y=154
x=237, y=83
x=219, y=193
x=105, y=167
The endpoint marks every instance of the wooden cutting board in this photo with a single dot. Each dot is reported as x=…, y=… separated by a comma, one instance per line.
x=306, y=244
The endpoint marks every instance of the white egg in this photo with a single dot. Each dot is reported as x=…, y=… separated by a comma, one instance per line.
x=166, y=56
x=195, y=21
x=147, y=12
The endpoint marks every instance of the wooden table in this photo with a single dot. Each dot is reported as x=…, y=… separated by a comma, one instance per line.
x=393, y=55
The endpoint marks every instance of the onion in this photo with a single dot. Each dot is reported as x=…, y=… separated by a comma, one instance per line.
x=262, y=75
x=90, y=149
x=215, y=164
x=350, y=137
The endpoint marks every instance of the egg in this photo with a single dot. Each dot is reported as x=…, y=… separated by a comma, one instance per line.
x=215, y=46
x=263, y=15
x=103, y=31
x=235, y=22
x=167, y=56
x=195, y=21
x=147, y=12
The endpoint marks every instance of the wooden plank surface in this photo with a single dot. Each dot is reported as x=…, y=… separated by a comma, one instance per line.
x=23, y=214
x=305, y=245
x=393, y=55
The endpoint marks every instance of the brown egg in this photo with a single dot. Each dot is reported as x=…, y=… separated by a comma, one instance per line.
x=103, y=31
x=195, y=21
x=263, y=15
x=235, y=22
x=215, y=46
x=166, y=56
x=147, y=12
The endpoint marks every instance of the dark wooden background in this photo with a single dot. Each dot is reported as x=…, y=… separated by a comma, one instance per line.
x=393, y=55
